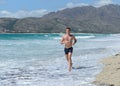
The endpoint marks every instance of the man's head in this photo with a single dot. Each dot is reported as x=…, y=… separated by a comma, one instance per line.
x=68, y=30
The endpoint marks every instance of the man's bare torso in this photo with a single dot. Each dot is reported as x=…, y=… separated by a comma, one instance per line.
x=68, y=40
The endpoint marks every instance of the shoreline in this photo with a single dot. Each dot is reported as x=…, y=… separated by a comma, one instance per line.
x=110, y=75
x=60, y=33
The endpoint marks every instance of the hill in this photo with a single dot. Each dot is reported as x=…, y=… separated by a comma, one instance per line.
x=86, y=19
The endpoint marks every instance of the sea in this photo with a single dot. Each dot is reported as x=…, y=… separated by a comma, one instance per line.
x=39, y=60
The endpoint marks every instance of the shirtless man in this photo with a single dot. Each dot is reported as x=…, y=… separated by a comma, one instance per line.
x=68, y=40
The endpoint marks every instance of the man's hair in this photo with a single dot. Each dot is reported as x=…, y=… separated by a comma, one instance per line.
x=68, y=28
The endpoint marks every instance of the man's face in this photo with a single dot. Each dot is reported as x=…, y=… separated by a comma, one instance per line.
x=67, y=31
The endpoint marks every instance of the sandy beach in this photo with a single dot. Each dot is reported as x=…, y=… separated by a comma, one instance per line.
x=110, y=75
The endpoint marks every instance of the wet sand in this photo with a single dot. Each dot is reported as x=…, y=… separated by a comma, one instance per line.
x=110, y=75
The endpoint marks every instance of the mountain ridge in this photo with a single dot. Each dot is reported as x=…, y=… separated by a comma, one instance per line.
x=85, y=19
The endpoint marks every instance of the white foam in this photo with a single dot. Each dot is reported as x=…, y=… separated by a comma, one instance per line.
x=84, y=37
x=57, y=38
x=42, y=62
x=78, y=37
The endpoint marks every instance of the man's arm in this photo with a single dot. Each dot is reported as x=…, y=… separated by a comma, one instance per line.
x=75, y=40
x=62, y=40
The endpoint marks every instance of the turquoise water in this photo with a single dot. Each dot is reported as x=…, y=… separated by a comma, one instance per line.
x=38, y=59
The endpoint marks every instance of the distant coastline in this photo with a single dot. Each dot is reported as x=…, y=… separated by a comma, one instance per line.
x=59, y=33
x=54, y=33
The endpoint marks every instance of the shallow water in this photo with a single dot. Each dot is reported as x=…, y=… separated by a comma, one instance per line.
x=38, y=59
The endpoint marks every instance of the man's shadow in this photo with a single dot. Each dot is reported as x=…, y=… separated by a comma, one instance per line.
x=81, y=67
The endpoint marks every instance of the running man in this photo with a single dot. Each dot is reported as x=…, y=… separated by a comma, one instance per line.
x=68, y=40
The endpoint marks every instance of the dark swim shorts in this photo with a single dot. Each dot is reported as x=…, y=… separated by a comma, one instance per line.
x=67, y=50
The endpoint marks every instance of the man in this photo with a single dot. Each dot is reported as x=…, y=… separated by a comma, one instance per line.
x=68, y=40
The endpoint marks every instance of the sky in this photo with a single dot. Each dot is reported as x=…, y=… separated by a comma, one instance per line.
x=38, y=8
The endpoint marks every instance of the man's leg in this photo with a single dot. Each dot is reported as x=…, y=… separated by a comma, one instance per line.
x=70, y=61
x=66, y=57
